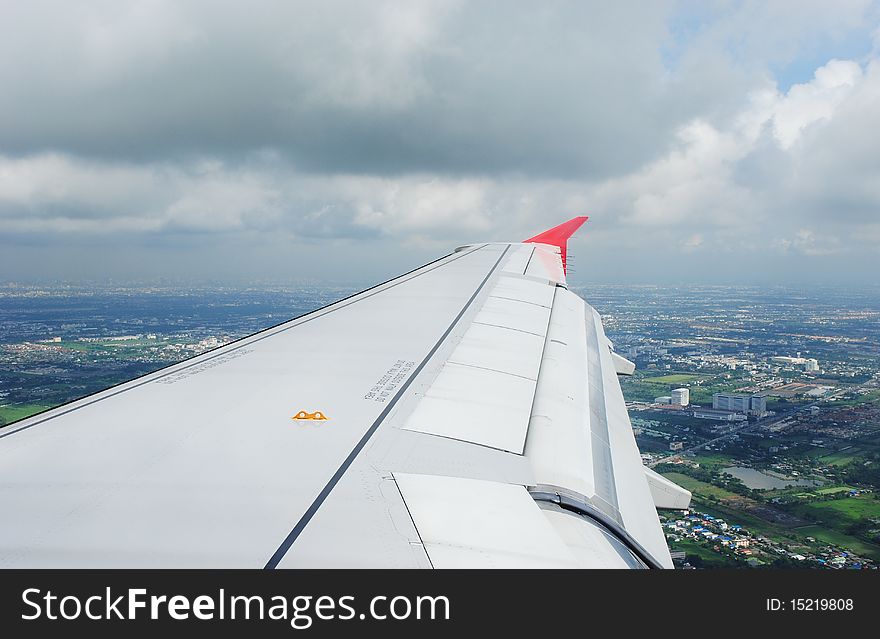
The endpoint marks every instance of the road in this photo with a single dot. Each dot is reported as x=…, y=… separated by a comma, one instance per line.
x=745, y=428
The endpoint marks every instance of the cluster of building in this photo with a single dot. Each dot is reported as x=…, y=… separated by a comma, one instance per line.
x=734, y=407
x=754, y=365
x=756, y=550
x=731, y=407
x=809, y=365
x=680, y=397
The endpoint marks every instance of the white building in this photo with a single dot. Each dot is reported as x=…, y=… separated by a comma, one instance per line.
x=754, y=404
x=681, y=397
x=730, y=401
x=810, y=365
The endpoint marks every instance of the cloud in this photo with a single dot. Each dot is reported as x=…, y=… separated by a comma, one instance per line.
x=682, y=129
x=813, y=102
x=335, y=86
x=805, y=241
x=695, y=241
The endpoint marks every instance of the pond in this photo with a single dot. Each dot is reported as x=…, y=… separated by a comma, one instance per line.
x=758, y=480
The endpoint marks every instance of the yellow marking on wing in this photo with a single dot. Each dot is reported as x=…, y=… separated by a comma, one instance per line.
x=316, y=416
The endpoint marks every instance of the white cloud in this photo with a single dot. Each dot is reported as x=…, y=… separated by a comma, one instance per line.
x=695, y=241
x=33, y=185
x=419, y=204
x=815, y=101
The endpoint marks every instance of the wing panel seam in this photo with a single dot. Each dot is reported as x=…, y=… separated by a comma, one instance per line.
x=331, y=484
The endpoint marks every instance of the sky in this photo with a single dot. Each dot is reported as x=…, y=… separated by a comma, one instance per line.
x=346, y=142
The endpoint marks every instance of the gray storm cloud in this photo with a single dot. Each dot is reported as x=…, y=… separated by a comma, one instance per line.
x=193, y=130
x=376, y=88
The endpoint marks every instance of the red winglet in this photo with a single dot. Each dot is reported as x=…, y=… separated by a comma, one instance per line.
x=558, y=236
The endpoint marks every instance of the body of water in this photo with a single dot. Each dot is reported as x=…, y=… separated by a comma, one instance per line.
x=758, y=480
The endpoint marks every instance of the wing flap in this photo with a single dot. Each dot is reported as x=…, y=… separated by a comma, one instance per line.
x=519, y=316
x=500, y=349
x=524, y=290
x=469, y=523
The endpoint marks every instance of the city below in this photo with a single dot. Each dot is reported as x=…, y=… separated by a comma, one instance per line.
x=764, y=403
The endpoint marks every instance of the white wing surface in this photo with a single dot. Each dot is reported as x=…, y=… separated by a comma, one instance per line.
x=466, y=414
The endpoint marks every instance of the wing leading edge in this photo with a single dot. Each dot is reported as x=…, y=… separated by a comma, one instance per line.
x=473, y=419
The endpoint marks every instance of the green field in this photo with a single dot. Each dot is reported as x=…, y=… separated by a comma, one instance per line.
x=710, y=558
x=81, y=346
x=698, y=487
x=838, y=459
x=749, y=521
x=12, y=413
x=840, y=513
x=843, y=456
x=713, y=462
x=675, y=378
x=867, y=398
x=829, y=536
x=832, y=490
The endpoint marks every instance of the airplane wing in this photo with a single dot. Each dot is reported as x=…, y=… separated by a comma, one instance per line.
x=466, y=414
